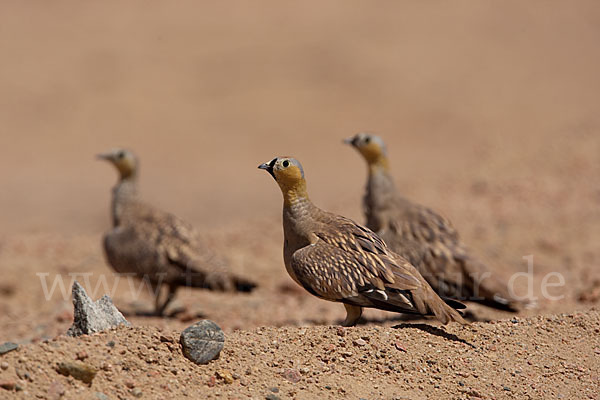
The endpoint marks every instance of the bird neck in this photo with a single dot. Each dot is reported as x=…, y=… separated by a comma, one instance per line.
x=124, y=194
x=294, y=194
x=298, y=216
x=379, y=164
x=380, y=186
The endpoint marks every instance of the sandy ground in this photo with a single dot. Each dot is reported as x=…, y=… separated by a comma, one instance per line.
x=491, y=112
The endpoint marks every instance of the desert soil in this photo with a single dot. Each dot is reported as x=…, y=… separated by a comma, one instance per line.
x=491, y=112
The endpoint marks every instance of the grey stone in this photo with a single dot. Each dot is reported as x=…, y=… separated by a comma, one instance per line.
x=8, y=346
x=91, y=317
x=202, y=342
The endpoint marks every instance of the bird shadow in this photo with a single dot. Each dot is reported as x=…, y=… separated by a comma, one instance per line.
x=433, y=330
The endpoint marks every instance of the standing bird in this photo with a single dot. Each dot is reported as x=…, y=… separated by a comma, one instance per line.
x=428, y=240
x=338, y=260
x=157, y=246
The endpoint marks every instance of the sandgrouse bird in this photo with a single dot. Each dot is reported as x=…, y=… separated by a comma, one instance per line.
x=339, y=260
x=428, y=240
x=157, y=246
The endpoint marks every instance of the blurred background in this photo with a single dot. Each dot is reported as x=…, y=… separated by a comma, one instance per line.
x=490, y=109
x=205, y=91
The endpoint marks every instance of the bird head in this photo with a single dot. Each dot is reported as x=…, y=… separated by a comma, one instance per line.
x=371, y=147
x=124, y=160
x=288, y=173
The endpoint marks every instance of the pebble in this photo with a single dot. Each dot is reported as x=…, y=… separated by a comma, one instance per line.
x=23, y=375
x=166, y=339
x=56, y=390
x=274, y=389
x=225, y=376
x=271, y=396
x=399, y=346
x=77, y=370
x=137, y=392
x=292, y=375
x=202, y=342
x=4, y=365
x=8, y=385
x=7, y=347
x=359, y=342
x=101, y=396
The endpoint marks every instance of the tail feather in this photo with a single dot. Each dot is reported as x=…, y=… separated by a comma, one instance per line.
x=422, y=301
x=490, y=291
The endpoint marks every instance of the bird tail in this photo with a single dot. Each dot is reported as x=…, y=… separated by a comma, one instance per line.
x=489, y=290
x=428, y=302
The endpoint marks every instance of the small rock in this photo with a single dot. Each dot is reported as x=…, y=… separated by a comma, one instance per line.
x=359, y=342
x=81, y=355
x=77, y=370
x=4, y=365
x=212, y=381
x=271, y=396
x=130, y=384
x=274, y=389
x=101, y=396
x=225, y=376
x=7, y=347
x=137, y=392
x=8, y=385
x=340, y=331
x=292, y=375
x=23, y=375
x=202, y=342
x=56, y=390
x=399, y=346
x=92, y=317
x=166, y=339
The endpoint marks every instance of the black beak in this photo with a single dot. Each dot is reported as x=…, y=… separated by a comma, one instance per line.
x=351, y=140
x=269, y=167
x=104, y=156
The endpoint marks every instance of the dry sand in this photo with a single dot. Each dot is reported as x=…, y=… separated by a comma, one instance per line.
x=491, y=111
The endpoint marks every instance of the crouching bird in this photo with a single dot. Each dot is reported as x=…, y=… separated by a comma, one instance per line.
x=338, y=260
x=156, y=246
x=424, y=237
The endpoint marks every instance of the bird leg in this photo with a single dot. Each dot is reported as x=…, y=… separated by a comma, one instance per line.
x=353, y=314
x=160, y=308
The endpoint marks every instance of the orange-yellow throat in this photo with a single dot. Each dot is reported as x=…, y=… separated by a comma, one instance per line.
x=293, y=192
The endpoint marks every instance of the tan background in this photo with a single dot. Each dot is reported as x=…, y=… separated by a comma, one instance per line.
x=205, y=91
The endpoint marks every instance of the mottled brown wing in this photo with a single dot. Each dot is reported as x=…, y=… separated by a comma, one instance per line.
x=348, y=261
x=151, y=241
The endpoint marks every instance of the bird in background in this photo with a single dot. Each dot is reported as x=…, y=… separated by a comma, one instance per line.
x=338, y=260
x=424, y=237
x=156, y=246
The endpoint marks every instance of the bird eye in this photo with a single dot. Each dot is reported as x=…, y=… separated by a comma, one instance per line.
x=285, y=163
x=367, y=139
x=120, y=154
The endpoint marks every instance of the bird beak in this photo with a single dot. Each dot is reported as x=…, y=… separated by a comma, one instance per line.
x=104, y=156
x=351, y=140
x=268, y=166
